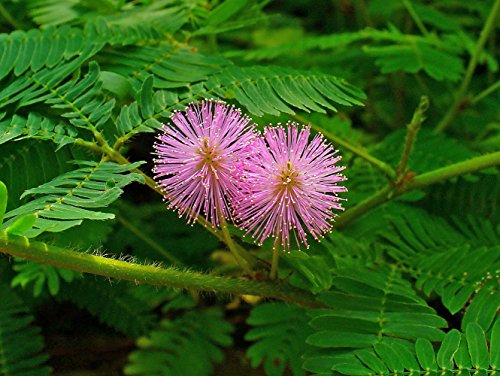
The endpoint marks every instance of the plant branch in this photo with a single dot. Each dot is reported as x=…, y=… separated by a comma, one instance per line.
x=457, y=105
x=143, y=274
x=417, y=182
x=382, y=166
x=242, y=257
x=8, y=17
x=415, y=17
x=275, y=262
x=489, y=90
x=413, y=128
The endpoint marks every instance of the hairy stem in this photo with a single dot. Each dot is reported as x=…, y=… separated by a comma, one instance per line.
x=338, y=141
x=488, y=27
x=142, y=274
x=417, y=182
x=413, y=128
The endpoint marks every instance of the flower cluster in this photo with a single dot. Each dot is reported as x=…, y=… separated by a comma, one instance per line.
x=281, y=184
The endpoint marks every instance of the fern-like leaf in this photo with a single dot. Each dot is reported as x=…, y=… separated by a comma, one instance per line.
x=458, y=260
x=368, y=307
x=187, y=345
x=274, y=90
x=41, y=275
x=38, y=161
x=392, y=50
x=279, y=332
x=459, y=274
x=172, y=67
x=113, y=304
x=461, y=354
x=72, y=197
x=143, y=115
x=38, y=127
x=20, y=341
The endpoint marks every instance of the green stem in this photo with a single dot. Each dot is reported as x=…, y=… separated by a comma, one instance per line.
x=489, y=26
x=457, y=169
x=415, y=17
x=243, y=258
x=363, y=207
x=149, y=241
x=142, y=274
x=8, y=17
x=413, y=128
x=417, y=182
x=338, y=141
x=275, y=262
x=489, y=90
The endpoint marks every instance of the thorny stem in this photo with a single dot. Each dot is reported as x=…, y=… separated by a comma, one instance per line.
x=417, y=182
x=338, y=141
x=22, y=247
x=489, y=26
x=413, y=128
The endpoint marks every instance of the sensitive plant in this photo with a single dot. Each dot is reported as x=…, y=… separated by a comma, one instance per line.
x=407, y=281
x=290, y=186
x=199, y=159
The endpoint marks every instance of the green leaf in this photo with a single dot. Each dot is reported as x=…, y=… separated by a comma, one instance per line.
x=145, y=100
x=114, y=305
x=495, y=346
x=21, y=225
x=225, y=11
x=273, y=327
x=462, y=357
x=21, y=343
x=412, y=58
x=116, y=84
x=483, y=308
x=449, y=347
x=371, y=360
x=72, y=197
x=36, y=126
x=41, y=276
x=425, y=354
x=273, y=89
x=188, y=344
x=478, y=349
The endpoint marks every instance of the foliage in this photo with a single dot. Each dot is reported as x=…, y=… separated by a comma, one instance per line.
x=279, y=331
x=190, y=344
x=458, y=352
x=407, y=282
x=20, y=341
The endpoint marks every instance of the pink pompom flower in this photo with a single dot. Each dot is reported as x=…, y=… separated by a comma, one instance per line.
x=290, y=187
x=199, y=156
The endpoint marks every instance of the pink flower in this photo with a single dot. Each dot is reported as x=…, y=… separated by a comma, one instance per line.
x=290, y=187
x=199, y=157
